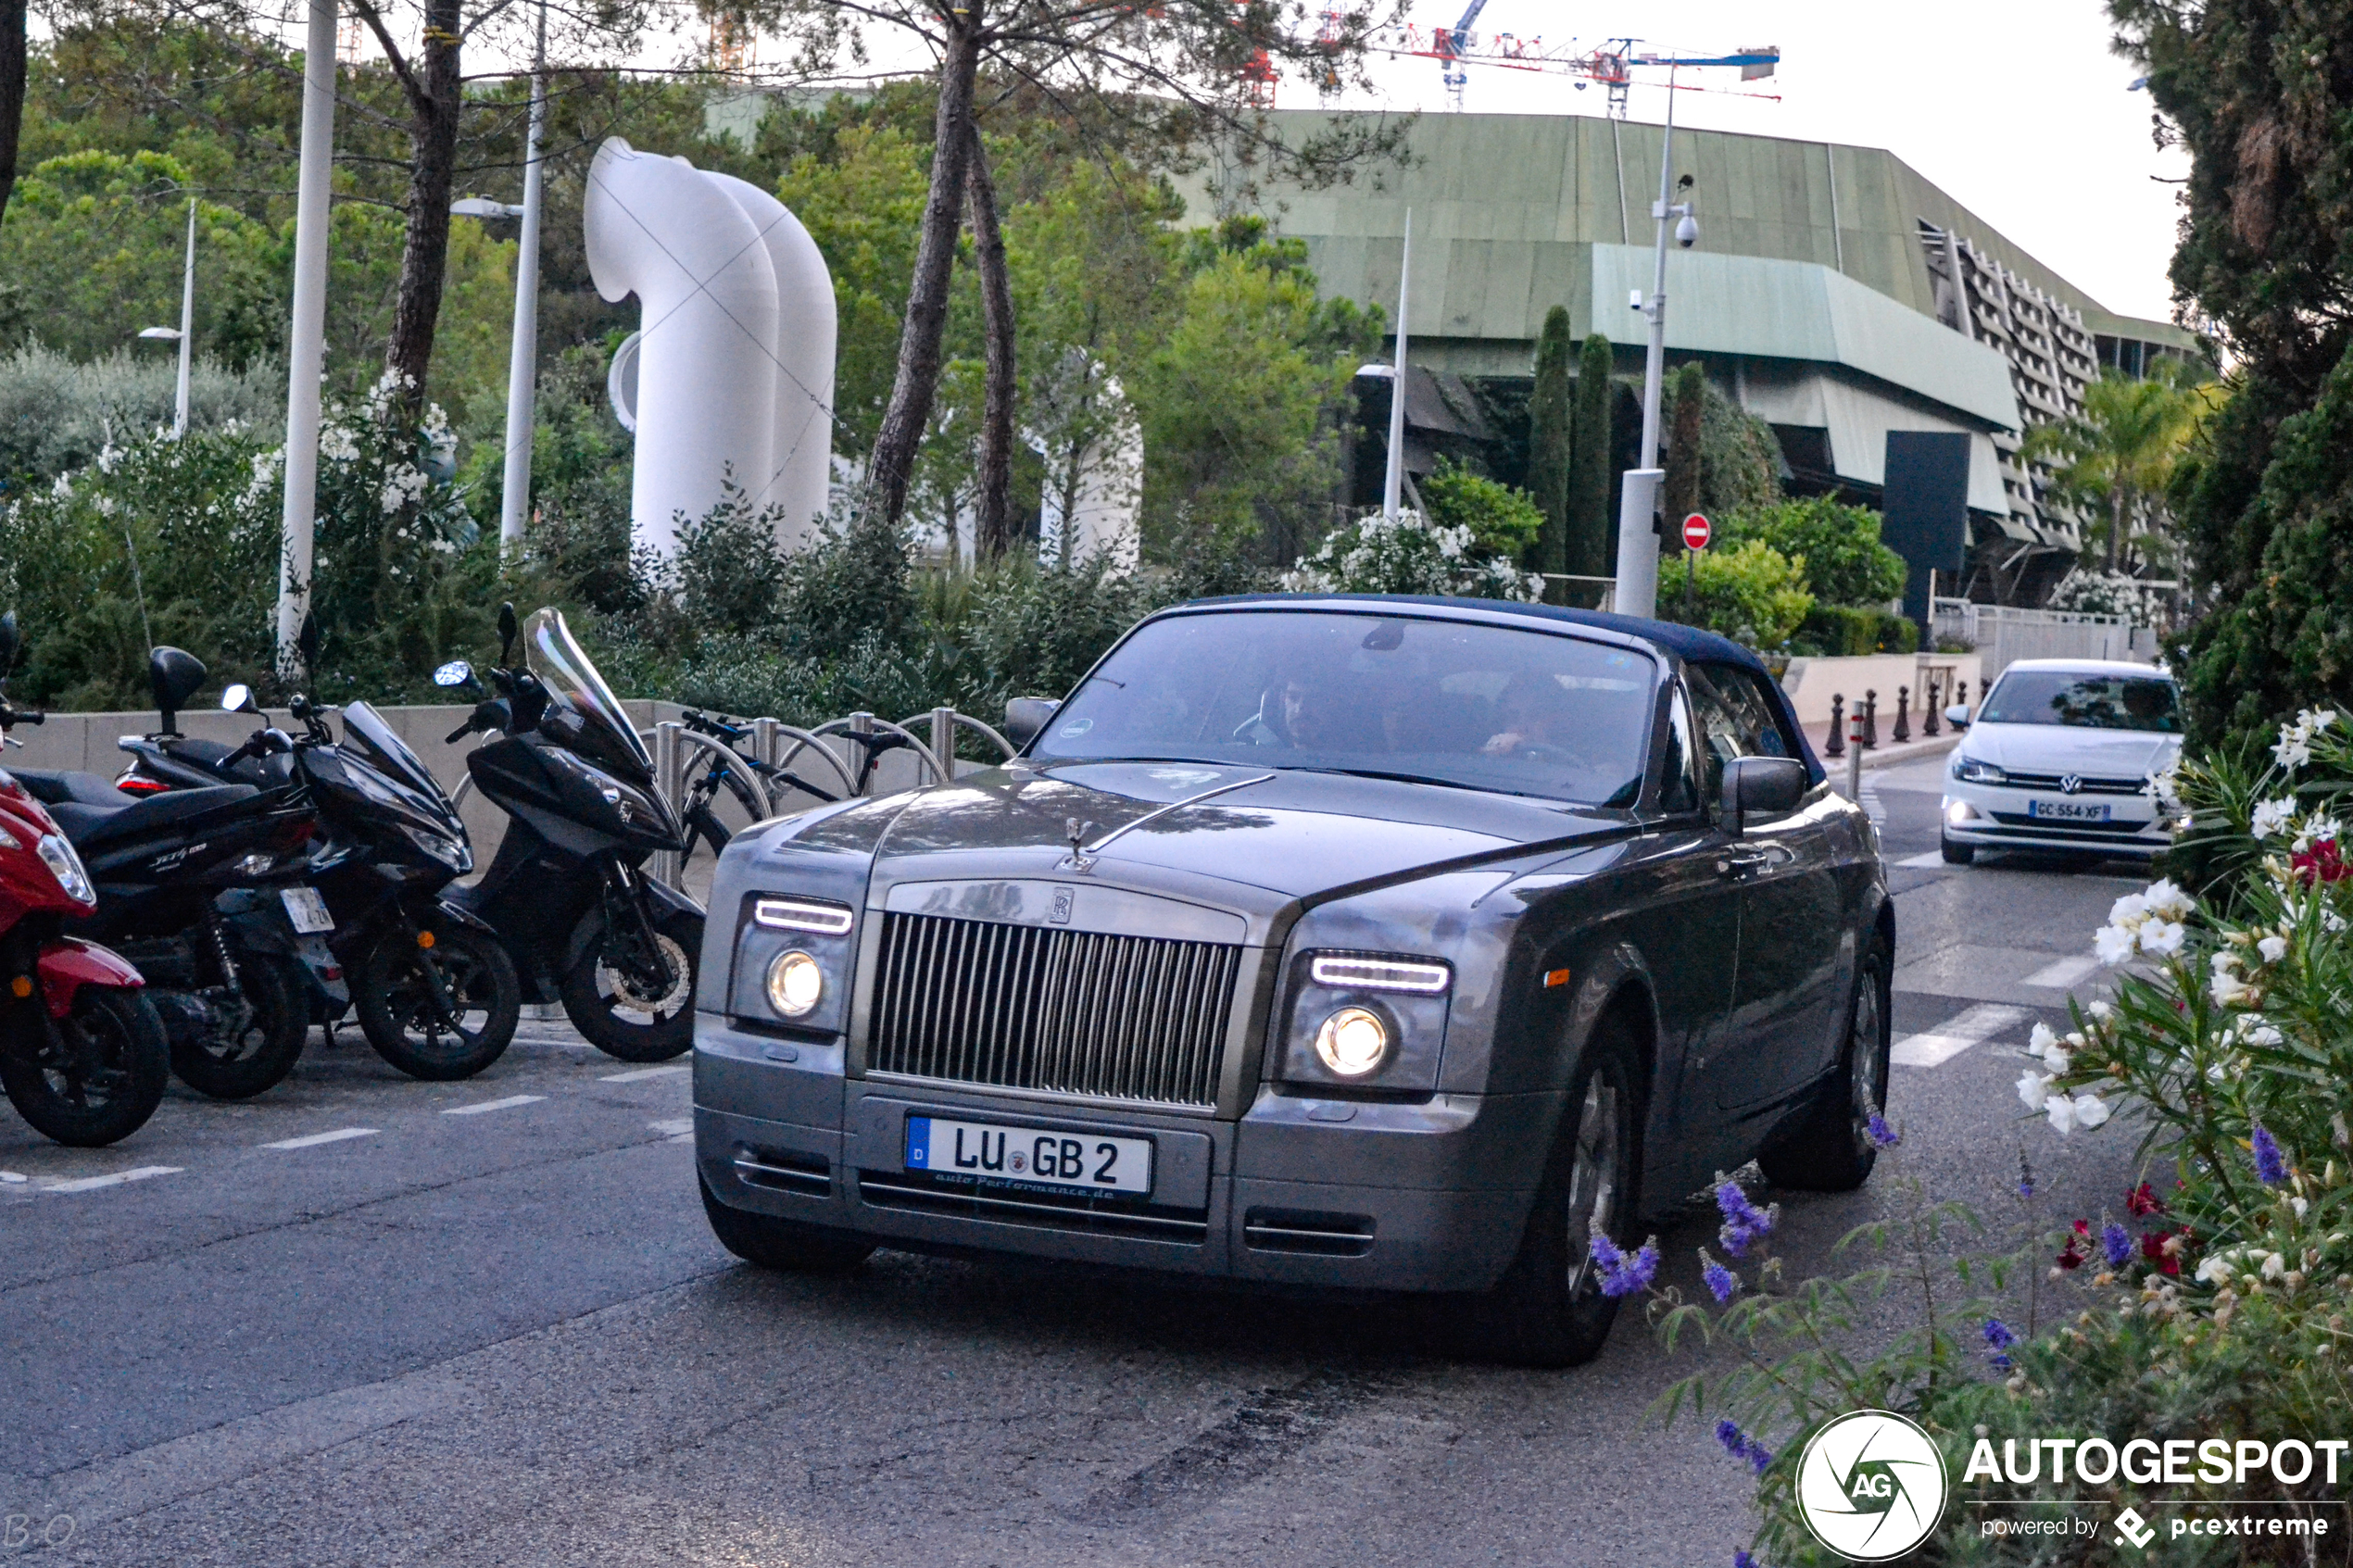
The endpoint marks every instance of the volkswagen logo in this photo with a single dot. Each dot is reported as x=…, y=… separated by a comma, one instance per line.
x=2072, y=785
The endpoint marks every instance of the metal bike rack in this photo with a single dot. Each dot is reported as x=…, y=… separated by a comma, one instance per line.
x=864, y=724
x=943, y=736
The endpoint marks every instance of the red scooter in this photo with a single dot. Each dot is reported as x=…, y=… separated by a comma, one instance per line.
x=82, y=1055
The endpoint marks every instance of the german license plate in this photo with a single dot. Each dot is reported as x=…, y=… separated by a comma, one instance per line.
x=2067, y=810
x=991, y=1151
x=307, y=909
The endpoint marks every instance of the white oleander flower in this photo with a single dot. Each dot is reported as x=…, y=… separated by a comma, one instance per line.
x=2033, y=1088
x=2274, y=1266
x=2163, y=899
x=2128, y=909
x=2061, y=1110
x=2271, y=815
x=2114, y=944
x=2101, y=1011
x=2227, y=989
x=2273, y=948
x=2090, y=1111
x=2163, y=937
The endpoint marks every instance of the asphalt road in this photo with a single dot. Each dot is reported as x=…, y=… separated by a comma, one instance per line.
x=487, y=1325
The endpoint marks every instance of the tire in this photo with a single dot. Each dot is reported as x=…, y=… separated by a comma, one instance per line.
x=614, y=1018
x=398, y=1014
x=1958, y=854
x=117, y=1063
x=770, y=1243
x=1548, y=1311
x=262, y=1054
x=1832, y=1150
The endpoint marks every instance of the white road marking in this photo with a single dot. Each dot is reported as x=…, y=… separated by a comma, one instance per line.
x=12, y=1176
x=644, y=1073
x=676, y=1131
x=312, y=1140
x=508, y=1103
x=1954, y=1035
x=1922, y=862
x=1872, y=807
x=2064, y=973
x=92, y=1184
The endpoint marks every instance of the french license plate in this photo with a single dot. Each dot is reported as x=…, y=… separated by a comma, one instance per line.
x=307, y=909
x=991, y=1151
x=2067, y=810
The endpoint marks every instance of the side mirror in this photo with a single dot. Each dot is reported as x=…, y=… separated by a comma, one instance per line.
x=507, y=636
x=457, y=672
x=299, y=705
x=173, y=674
x=1770, y=785
x=237, y=698
x=1026, y=716
x=1957, y=715
x=8, y=642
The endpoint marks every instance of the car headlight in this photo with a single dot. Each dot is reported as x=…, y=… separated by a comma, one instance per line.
x=1353, y=1042
x=819, y=917
x=795, y=981
x=65, y=866
x=1970, y=771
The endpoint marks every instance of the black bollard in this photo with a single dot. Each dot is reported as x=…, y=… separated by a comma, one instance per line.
x=1870, y=721
x=1837, y=746
x=1903, y=714
x=1930, y=714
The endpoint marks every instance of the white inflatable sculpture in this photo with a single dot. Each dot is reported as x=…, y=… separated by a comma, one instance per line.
x=732, y=371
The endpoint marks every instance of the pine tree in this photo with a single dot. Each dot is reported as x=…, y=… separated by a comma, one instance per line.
x=1551, y=428
x=1590, y=478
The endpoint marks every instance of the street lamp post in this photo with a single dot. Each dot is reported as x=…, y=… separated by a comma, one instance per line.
x=185, y=333
x=1393, y=475
x=1637, y=591
x=306, y=346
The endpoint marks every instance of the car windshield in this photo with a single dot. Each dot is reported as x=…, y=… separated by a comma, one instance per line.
x=1524, y=713
x=2085, y=701
x=604, y=732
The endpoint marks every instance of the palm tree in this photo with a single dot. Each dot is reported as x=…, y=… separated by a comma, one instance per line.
x=2115, y=457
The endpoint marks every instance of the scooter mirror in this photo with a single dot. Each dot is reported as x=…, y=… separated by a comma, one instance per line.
x=237, y=698
x=507, y=636
x=173, y=674
x=457, y=672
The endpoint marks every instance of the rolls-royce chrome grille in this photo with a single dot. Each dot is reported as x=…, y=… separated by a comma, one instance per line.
x=1077, y=1012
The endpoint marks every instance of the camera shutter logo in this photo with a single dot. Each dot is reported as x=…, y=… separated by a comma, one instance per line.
x=1870, y=1486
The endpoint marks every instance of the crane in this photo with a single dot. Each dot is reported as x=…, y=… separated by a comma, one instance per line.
x=1612, y=65
x=1453, y=44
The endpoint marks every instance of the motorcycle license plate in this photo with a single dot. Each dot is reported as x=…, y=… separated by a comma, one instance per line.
x=993, y=1152
x=307, y=909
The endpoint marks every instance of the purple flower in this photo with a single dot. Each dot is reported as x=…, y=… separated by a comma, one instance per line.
x=2270, y=1163
x=2118, y=1243
x=1722, y=1282
x=1623, y=1274
x=1880, y=1134
x=1744, y=1224
x=1998, y=1339
x=1743, y=1559
x=1740, y=1445
x=2025, y=1176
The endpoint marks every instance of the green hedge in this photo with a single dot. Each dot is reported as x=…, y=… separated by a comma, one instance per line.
x=1844, y=629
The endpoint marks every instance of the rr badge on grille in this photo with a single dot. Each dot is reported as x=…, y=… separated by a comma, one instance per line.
x=1064, y=898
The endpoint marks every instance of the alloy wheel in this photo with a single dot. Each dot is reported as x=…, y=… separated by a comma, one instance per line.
x=1593, y=1177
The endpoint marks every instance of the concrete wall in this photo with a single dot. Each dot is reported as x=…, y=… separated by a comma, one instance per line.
x=1812, y=682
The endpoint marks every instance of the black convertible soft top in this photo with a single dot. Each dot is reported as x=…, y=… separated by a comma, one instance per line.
x=1690, y=642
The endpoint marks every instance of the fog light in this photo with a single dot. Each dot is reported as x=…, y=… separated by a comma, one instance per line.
x=1957, y=811
x=1353, y=1042
x=794, y=983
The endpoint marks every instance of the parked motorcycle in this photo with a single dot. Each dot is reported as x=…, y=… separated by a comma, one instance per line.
x=436, y=995
x=566, y=891
x=201, y=889
x=84, y=1057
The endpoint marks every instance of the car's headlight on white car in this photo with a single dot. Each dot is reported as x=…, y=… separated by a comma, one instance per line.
x=1969, y=770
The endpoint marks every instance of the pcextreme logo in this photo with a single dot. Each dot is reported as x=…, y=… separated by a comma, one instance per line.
x=1870, y=1486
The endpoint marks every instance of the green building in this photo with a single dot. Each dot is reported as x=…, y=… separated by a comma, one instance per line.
x=1834, y=293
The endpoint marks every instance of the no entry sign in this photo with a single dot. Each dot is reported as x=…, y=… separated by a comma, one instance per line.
x=1697, y=533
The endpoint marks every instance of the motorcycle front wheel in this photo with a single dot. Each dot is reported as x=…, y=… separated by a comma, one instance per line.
x=629, y=1015
x=101, y=1079
x=411, y=1029
x=241, y=1063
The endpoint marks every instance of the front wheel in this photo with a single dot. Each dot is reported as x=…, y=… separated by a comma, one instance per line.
x=1832, y=1149
x=102, y=1076
x=1958, y=854
x=218, y=1054
x=637, y=1002
x=438, y=1037
x=1549, y=1310
x=770, y=1243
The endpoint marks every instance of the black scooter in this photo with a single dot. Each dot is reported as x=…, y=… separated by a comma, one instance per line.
x=566, y=891
x=436, y=995
x=195, y=887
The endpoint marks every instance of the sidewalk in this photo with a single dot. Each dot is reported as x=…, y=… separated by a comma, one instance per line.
x=1887, y=753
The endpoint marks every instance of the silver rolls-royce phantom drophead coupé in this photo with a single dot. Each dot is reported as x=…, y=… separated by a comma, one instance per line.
x=1390, y=943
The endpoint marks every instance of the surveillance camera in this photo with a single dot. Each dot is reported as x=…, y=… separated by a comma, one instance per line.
x=1687, y=231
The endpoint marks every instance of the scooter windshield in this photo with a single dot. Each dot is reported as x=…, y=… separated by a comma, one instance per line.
x=365, y=732
x=602, y=732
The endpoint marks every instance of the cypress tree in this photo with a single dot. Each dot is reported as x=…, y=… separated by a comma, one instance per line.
x=1687, y=408
x=1589, y=484
x=1551, y=422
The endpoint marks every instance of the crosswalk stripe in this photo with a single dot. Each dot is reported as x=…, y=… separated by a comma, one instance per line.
x=644, y=1073
x=2064, y=973
x=1922, y=862
x=92, y=1184
x=1955, y=1034
x=510, y=1101
x=312, y=1140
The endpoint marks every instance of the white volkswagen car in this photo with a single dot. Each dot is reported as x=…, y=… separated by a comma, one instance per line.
x=2058, y=757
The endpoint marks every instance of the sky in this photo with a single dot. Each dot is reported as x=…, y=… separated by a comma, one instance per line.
x=2017, y=109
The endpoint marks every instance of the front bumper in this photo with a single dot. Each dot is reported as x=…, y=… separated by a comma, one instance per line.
x=1997, y=817
x=1423, y=1196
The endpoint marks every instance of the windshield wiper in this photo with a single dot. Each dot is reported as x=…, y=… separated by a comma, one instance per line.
x=1442, y=784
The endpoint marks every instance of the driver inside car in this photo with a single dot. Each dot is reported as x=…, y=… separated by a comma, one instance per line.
x=1536, y=714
